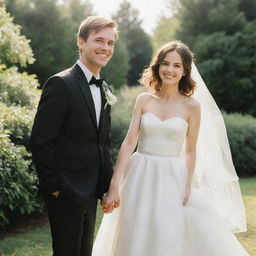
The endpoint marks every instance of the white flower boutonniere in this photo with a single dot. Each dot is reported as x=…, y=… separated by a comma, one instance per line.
x=109, y=96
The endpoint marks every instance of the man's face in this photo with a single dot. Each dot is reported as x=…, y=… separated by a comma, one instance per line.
x=98, y=49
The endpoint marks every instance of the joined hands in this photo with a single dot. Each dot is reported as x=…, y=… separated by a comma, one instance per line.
x=110, y=201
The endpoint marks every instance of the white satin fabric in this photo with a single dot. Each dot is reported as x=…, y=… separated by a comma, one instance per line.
x=151, y=220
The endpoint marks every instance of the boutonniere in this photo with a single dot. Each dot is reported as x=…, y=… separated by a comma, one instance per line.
x=109, y=96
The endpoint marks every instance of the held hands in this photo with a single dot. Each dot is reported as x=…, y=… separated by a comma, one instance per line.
x=110, y=201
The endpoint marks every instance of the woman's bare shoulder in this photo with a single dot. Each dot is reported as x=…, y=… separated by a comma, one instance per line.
x=142, y=100
x=145, y=97
x=192, y=103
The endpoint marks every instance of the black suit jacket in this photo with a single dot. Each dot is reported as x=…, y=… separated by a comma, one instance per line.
x=70, y=153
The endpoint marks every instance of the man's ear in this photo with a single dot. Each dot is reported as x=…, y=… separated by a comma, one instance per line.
x=80, y=43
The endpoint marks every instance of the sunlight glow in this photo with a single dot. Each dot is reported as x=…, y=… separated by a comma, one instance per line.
x=149, y=10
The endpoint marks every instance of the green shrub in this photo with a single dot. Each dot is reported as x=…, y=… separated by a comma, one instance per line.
x=242, y=138
x=18, y=121
x=17, y=185
x=18, y=88
x=18, y=99
x=14, y=47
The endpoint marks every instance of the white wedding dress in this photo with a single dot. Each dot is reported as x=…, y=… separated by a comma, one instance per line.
x=151, y=220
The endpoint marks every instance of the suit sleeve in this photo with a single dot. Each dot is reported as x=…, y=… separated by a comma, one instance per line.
x=108, y=163
x=47, y=124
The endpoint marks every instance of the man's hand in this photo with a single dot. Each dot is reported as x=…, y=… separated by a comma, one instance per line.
x=106, y=207
x=56, y=194
x=110, y=201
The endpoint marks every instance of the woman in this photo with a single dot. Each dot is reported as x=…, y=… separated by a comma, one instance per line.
x=160, y=213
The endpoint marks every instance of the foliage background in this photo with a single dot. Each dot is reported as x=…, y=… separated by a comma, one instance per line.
x=222, y=35
x=18, y=99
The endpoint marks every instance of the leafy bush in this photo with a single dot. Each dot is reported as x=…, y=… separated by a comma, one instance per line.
x=17, y=186
x=242, y=138
x=14, y=47
x=18, y=121
x=18, y=88
x=18, y=99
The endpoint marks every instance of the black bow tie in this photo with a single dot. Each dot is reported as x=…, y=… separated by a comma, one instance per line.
x=97, y=82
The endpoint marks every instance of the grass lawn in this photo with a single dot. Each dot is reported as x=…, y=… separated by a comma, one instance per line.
x=248, y=239
x=37, y=242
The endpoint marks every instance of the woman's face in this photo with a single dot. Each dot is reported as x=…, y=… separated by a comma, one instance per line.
x=171, y=69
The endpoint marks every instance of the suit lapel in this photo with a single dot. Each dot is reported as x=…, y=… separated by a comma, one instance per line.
x=103, y=110
x=84, y=86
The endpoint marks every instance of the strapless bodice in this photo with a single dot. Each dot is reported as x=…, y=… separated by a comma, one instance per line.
x=161, y=137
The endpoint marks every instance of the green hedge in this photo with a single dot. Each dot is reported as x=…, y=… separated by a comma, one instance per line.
x=18, y=99
x=18, y=88
x=241, y=131
x=17, y=185
x=18, y=179
x=18, y=122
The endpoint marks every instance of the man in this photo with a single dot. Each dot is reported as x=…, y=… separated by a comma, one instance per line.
x=71, y=141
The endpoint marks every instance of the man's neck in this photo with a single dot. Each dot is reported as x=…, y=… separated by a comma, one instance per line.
x=95, y=70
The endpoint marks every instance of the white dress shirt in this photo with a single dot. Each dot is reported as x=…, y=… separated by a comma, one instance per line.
x=95, y=91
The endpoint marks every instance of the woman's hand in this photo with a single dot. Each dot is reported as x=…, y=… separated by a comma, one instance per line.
x=110, y=201
x=186, y=197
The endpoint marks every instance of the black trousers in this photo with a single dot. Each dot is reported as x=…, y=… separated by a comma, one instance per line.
x=72, y=226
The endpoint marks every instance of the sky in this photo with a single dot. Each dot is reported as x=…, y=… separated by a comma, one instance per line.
x=149, y=10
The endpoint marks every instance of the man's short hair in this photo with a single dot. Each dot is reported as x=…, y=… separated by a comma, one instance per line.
x=95, y=24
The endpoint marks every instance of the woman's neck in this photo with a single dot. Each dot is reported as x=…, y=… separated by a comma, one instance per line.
x=170, y=92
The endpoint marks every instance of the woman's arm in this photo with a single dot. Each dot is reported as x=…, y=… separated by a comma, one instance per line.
x=191, y=140
x=126, y=150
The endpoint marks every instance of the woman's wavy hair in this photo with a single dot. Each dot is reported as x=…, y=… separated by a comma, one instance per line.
x=150, y=76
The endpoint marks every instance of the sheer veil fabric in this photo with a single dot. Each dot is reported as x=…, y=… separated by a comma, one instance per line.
x=215, y=174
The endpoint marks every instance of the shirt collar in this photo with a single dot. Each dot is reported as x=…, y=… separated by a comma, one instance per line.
x=88, y=74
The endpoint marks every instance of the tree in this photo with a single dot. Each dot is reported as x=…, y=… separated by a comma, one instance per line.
x=14, y=47
x=77, y=10
x=15, y=88
x=116, y=71
x=203, y=17
x=228, y=62
x=165, y=31
x=137, y=41
x=52, y=28
x=223, y=41
x=248, y=7
x=127, y=17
